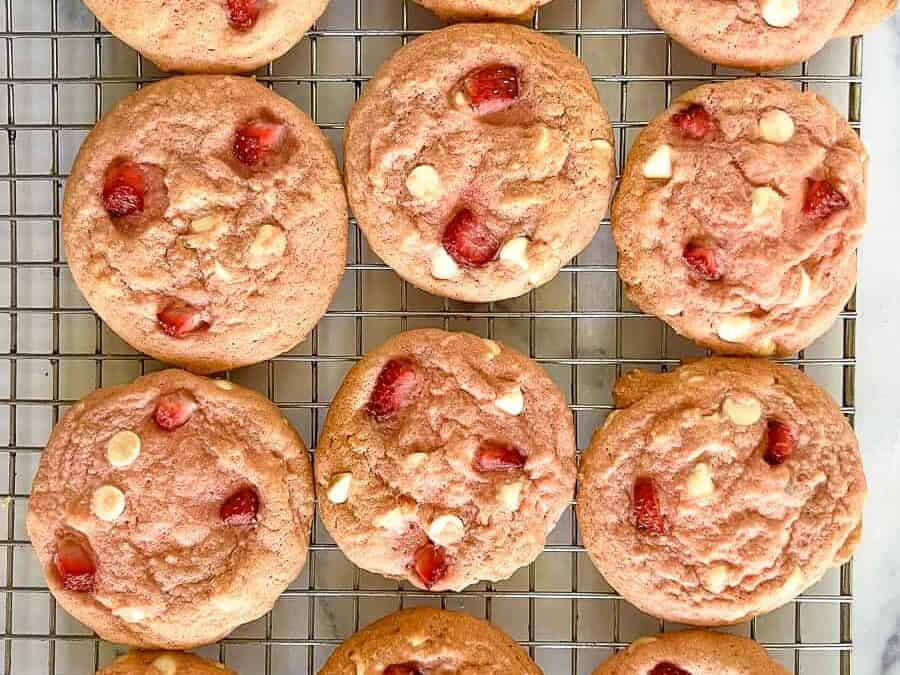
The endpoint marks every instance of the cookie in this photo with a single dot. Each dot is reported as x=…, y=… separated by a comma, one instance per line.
x=720, y=491
x=479, y=161
x=205, y=221
x=754, y=35
x=169, y=511
x=864, y=15
x=483, y=10
x=163, y=663
x=739, y=214
x=445, y=460
x=426, y=640
x=692, y=652
x=208, y=36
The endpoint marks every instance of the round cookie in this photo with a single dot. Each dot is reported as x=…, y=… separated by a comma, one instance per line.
x=426, y=640
x=720, y=491
x=163, y=663
x=692, y=652
x=483, y=10
x=739, y=214
x=445, y=460
x=169, y=511
x=205, y=221
x=865, y=15
x=750, y=34
x=208, y=36
x=479, y=161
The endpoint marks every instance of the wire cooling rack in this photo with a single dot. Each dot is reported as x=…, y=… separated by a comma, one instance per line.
x=61, y=72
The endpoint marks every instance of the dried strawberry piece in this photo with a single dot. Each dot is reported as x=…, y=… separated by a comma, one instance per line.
x=124, y=189
x=702, y=261
x=497, y=456
x=174, y=409
x=393, y=389
x=257, y=140
x=492, y=88
x=402, y=669
x=468, y=241
x=645, y=502
x=180, y=319
x=693, y=122
x=75, y=564
x=822, y=199
x=240, y=509
x=780, y=443
x=242, y=14
x=666, y=668
x=430, y=564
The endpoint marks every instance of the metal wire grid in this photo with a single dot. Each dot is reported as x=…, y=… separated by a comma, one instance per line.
x=580, y=327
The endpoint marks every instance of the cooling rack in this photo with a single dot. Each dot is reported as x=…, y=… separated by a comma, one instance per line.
x=61, y=72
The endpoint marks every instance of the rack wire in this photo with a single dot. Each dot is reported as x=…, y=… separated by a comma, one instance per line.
x=61, y=72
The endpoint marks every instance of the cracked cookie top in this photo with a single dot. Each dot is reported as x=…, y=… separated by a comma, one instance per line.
x=479, y=161
x=169, y=511
x=720, y=491
x=205, y=222
x=739, y=214
x=446, y=459
x=163, y=663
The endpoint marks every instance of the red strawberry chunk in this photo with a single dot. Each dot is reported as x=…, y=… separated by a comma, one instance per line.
x=468, y=241
x=430, y=564
x=180, y=319
x=822, y=199
x=645, y=502
x=702, y=261
x=492, y=88
x=402, y=669
x=393, y=389
x=242, y=14
x=240, y=509
x=497, y=456
x=693, y=122
x=780, y=443
x=124, y=189
x=174, y=409
x=666, y=668
x=75, y=564
x=257, y=140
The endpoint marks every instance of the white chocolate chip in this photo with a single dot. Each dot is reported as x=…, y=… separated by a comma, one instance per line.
x=339, y=488
x=394, y=520
x=766, y=348
x=764, y=200
x=699, y=482
x=776, y=126
x=542, y=144
x=446, y=529
x=742, y=411
x=123, y=449
x=715, y=579
x=207, y=224
x=640, y=642
x=130, y=614
x=224, y=385
x=270, y=243
x=494, y=349
x=602, y=145
x=515, y=251
x=805, y=286
x=512, y=402
x=659, y=164
x=108, y=503
x=510, y=495
x=735, y=328
x=461, y=101
x=424, y=183
x=414, y=459
x=780, y=13
x=165, y=664
x=443, y=266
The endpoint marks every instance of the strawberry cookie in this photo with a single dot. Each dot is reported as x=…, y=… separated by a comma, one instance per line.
x=483, y=10
x=205, y=222
x=446, y=459
x=169, y=511
x=163, y=663
x=425, y=640
x=720, y=491
x=209, y=36
x=865, y=15
x=692, y=652
x=739, y=214
x=479, y=161
x=750, y=34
